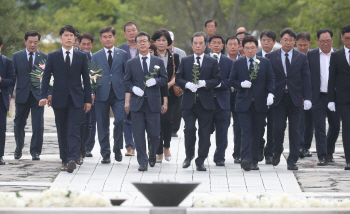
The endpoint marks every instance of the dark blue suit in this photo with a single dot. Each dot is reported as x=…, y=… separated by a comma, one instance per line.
x=27, y=99
x=145, y=111
x=325, y=144
x=201, y=107
x=129, y=141
x=8, y=79
x=251, y=103
x=288, y=103
x=111, y=93
x=221, y=118
x=68, y=98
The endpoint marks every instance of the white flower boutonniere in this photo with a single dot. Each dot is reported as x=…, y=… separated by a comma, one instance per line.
x=215, y=55
x=156, y=68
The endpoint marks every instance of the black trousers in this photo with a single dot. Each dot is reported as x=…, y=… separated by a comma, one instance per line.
x=165, y=129
x=344, y=111
x=306, y=129
x=325, y=144
x=177, y=115
x=268, y=149
x=205, y=119
x=283, y=111
x=236, y=127
x=3, y=117
x=85, y=132
x=91, y=141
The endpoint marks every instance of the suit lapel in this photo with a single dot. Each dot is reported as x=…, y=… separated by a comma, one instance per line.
x=25, y=59
x=37, y=58
x=317, y=61
x=204, y=63
x=104, y=59
x=74, y=62
x=279, y=59
x=343, y=58
x=61, y=60
x=151, y=64
x=115, y=56
x=138, y=64
x=294, y=59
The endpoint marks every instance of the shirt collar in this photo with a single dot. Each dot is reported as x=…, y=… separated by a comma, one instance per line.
x=201, y=56
x=324, y=53
x=254, y=58
x=263, y=52
x=148, y=56
x=106, y=50
x=29, y=52
x=346, y=49
x=289, y=52
x=70, y=51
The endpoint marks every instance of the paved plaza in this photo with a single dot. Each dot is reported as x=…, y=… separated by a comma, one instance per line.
x=114, y=180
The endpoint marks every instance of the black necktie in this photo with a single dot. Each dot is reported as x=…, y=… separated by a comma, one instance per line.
x=67, y=61
x=287, y=63
x=251, y=66
x=199, y=64
x=30, y=61
x=265, y=55
x=110, y=59
x=144, y=65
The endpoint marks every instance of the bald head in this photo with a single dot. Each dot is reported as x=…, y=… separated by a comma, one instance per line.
x=242, y=29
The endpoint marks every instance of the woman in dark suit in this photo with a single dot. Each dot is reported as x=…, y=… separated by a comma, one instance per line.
x=171, y=61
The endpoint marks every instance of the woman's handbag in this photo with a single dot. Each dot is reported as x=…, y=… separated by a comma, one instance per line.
x=177, y=90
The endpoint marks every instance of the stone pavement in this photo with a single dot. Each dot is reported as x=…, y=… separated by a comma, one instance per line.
x=115, y=179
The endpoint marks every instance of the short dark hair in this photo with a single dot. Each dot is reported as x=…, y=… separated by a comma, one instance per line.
x=247, y=39
x=1, y=40
x=162, y=32
x=142, y=33
x=324, y=31
x=153, y=46
x=31, y=33
x=130, y=23
x=345, y=29
x=107, y=29
x=216, y=36
x=303, y=35
x=245, y=33
x=210, y=20
x=289, y=31
x=268, y=33
x=199, y=34
x=86, y=36
x=68, y=28
x=232, y=37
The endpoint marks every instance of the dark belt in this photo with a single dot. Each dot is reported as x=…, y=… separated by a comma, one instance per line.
x=286, y=91
x=325, y=93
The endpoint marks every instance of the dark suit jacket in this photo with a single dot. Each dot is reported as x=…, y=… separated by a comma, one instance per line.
x=125, y=47
x=339, y=78
x=259, y=53
x=66, y=82
x=223, y=92
x=209, y=71
x=261, y=86
x=8, y=79
x=134, y=77
x=24, y=83
x=298, y=80
x=313, y=57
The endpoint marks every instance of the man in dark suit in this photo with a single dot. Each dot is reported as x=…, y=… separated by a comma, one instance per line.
x=292, y=86
x=198, y=99
x=69, y=100
x=303, y=42
x=319, y=67
x=111, y=93
x=268, y=40
x=339, y=89
x=7, y=79
x=221, y=119
x=253, y=77
x=28, y=95
x=145, y=99
x=130, y=31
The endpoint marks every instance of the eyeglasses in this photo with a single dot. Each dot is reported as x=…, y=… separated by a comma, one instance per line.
x=142, y=41
x=266, y=40
x=288, y=40
x=325, y=41
x=249, y=49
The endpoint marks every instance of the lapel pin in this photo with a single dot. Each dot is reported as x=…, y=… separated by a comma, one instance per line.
x=118, y=53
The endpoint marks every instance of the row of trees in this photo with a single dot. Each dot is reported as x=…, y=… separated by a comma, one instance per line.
x=183, y=17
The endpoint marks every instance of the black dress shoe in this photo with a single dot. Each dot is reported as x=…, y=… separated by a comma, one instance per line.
x=330, y=159
x=307, y=153
x=106, y=159
x=220, y=164
x=2, y=162
x=118, y=155
x=261, y=155
x=201, y=168
x=254, y=167
x=64, y=167
x=186, y=163
x=245, y=165
x=71, y=166
x=276, y=159
x=347, y=166
x=301, y=153
x=152, y=161
x=236, y=160
x=322, y=162
x=88, y=154
x=292, y=166
x=268, y=160
x=36, y=157
x=18, y=154
x=80, y=160
x=143, y=168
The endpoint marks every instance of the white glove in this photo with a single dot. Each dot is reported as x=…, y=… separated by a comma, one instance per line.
x=218, y=86
x=151, y=82
x=307, y=104
x=201, y=83
x=246, y=84
x=331, y=106
x=138, y=91
x=270, y=99
x=191, y=86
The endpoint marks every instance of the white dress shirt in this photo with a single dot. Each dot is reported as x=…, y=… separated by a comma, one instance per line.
x=106, y=51
x=200, y=60
x=248, y=61
x=219, y=57
x=263, y=53
x=148, y=60
x=70, y=54
x=29, y=56
x=324, y=69
x=283, y=57
x=347, y=54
